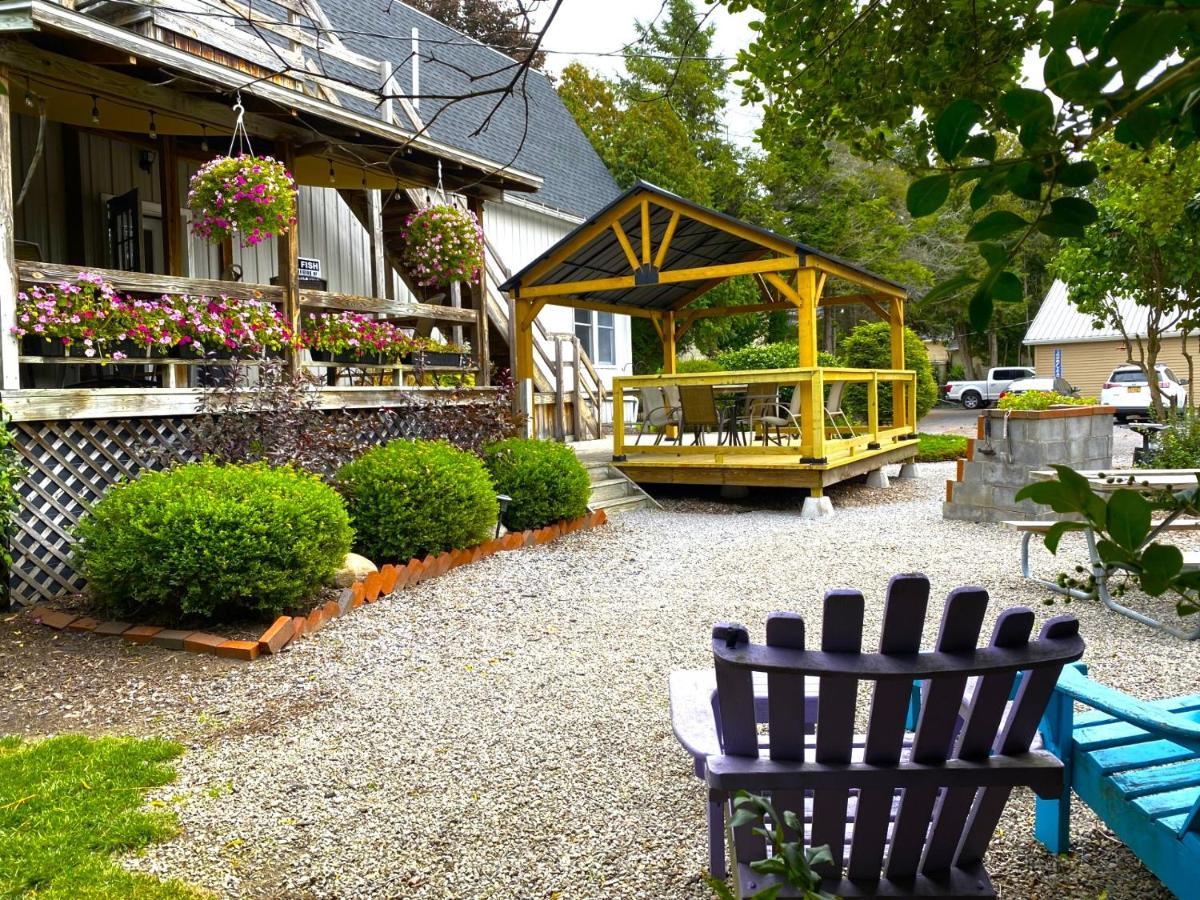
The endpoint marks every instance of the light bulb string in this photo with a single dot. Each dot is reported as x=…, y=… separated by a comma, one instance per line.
x=240, y=136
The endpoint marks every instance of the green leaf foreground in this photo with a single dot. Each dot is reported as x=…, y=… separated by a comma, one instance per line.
x=1123, y=522
x=789, y=862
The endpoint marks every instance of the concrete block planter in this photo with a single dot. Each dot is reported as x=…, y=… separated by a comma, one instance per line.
x=285, y=630
x=1009, y=444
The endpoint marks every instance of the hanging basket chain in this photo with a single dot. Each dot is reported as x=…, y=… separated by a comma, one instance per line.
x=240, y=137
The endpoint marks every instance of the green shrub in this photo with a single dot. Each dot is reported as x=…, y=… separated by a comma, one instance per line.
x=1037, y=400
x=940, y=447
x=12, y=470
x=211, y=541
x=411, y=498
x=696, y=366
x=545, y=479
x=782, y=355
x=1175, y=447
x=869, y=346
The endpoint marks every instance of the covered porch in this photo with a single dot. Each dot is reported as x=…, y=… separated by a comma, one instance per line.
x=652, y=254
x=104, y=117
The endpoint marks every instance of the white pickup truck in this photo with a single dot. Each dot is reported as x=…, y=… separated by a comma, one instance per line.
x=978, y=394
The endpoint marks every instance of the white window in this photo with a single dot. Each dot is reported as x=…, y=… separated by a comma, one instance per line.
x=597, y=332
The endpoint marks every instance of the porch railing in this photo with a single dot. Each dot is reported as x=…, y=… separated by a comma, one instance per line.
x=817, y=441
x=172, y=370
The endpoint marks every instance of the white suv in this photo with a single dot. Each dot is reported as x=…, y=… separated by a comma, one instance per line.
x=1128, y=391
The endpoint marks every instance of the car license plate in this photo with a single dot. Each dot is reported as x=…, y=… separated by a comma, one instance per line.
x=1134, y=389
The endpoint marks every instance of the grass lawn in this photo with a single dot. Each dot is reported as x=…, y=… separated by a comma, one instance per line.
x=940, y=447
x=69, y=804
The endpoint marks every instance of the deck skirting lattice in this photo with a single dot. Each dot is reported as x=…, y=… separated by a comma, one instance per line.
x=70, y=463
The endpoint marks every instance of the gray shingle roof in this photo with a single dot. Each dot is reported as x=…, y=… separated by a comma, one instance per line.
x=531, y=131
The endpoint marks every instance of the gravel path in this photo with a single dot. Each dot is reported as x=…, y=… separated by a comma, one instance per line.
x=503, y=731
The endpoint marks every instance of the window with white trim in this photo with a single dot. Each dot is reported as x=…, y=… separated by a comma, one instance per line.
x=597, y=332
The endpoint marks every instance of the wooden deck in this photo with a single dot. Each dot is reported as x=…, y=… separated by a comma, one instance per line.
x=815, y=452
x=772, y=469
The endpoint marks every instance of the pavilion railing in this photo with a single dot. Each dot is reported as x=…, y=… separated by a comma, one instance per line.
x=817, y=441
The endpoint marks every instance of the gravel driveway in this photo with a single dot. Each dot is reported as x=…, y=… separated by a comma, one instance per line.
x=503, y=731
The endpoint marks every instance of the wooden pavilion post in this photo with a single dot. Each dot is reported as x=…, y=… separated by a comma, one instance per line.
x=667, y=334
x=288, y=246
x=812, y=391
x=10, y=375
x=527, y=311
x=900, y=404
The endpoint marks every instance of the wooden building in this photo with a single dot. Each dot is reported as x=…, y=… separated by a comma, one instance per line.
x=653, y=254
x=107, y=110
x=1066, y=342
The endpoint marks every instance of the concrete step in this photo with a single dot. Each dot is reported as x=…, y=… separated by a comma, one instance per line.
x=610, y=488
x=623, y=504
x=612, y=491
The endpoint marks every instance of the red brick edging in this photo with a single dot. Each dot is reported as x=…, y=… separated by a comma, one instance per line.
x=286, y=629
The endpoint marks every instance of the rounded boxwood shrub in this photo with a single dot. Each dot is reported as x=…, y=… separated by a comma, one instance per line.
x=546, y=481
x=411, y=498
x=781, y=355
x=211, y=541
x=869, y=346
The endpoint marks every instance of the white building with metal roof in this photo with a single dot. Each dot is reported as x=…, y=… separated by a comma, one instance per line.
x=1067, y=342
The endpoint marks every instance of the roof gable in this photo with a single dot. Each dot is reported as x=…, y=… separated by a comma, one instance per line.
x=531, y=130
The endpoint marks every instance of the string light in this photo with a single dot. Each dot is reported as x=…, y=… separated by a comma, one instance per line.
x=95, y=110
x=153, y=126
x=28, y=93
x=204, y=140
x=332, y=174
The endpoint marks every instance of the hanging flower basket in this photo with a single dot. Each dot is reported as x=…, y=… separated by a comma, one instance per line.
x=443, y=244
x=250, y=197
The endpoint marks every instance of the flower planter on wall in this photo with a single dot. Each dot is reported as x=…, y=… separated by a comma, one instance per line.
x=999, y=461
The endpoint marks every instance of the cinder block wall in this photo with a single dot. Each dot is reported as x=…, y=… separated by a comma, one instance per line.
x=997, y=466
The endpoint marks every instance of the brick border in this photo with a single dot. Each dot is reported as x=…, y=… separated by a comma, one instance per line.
x=285, y=630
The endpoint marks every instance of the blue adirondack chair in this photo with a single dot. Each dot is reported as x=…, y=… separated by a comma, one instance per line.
x=1137, y=765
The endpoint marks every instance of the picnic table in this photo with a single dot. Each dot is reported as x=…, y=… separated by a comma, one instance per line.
x=1147, y=481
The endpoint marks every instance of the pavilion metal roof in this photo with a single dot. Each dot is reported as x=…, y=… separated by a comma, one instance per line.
x=703, y=238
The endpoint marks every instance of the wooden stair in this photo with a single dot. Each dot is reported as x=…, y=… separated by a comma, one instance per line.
x=613, y=492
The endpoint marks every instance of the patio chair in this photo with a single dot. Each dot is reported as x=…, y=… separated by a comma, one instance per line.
x=656, y=413
x=834, y=411
x=772, y=414
x=944, y=793
x=700, y=414
x=760, y=399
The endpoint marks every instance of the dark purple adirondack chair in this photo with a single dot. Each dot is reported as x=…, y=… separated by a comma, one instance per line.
x=904, y=814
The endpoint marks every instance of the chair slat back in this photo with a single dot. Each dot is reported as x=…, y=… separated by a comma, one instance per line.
x=903, y=621
x=935, y=828
x=1019, y=729
x=785, y=704
x=841, y=633
x=699, y=406
x=975, y=741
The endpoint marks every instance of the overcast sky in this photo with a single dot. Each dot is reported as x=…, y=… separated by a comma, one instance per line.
x=594, y=32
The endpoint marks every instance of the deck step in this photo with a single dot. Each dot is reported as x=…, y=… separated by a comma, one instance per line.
x=622, y=504
x=613, y=491
x=609, y=489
